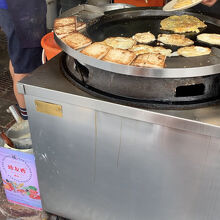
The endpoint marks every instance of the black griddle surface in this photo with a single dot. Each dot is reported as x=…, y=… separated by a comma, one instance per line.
x=130, y=26
x=126, y=25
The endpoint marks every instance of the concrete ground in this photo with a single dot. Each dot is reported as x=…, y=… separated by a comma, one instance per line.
x=8, y=210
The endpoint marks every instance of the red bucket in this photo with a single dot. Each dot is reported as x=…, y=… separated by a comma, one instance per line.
x=50, y=46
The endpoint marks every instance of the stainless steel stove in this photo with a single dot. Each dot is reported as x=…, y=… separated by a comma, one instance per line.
x=183, y=83
x=101, y=160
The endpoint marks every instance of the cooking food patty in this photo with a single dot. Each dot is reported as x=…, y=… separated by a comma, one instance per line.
x=209, y=38
x=144, y=38
x=182, y=3
x=96, y=50
x=120, y=42
x=175, y=39
x=141, y=49
x=182, y=24
x=154, y=60
x=193, y=51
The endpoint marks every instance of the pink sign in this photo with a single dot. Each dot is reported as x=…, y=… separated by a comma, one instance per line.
x=20, y=178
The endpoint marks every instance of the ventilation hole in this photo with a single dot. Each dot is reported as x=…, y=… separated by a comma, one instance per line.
x=190, y=90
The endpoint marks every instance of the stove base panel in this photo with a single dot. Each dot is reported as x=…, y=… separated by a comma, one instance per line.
x=94, y=165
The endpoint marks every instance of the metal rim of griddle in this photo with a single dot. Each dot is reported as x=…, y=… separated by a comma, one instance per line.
x=140, y=71
x=97, y=10
x=149, y=104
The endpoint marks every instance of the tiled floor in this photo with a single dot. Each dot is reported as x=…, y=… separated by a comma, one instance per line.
x=6, y=91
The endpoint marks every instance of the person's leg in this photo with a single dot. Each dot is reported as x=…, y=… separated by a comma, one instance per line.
x=16, y=78
x=15, y=54
x=11, y=70
x=22, y=60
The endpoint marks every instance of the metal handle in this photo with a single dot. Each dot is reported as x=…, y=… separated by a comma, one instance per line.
x=7, y=140
x=15, y=113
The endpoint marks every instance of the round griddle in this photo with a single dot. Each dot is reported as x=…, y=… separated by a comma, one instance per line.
x=126, y=23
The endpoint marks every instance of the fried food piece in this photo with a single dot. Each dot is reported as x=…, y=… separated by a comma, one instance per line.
x=162, y=50
x=175, y=40
x=63, y=31
x=209, y=38
x=119, y=56
x=153, y=60
x=193, y=51
x=182, y=24
x=58, y=22
x=120, y=42
x=141, y=49
x=144, y=38
x=80, y=26
x=76, y=40
x=182, y=3
x=96, y=50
